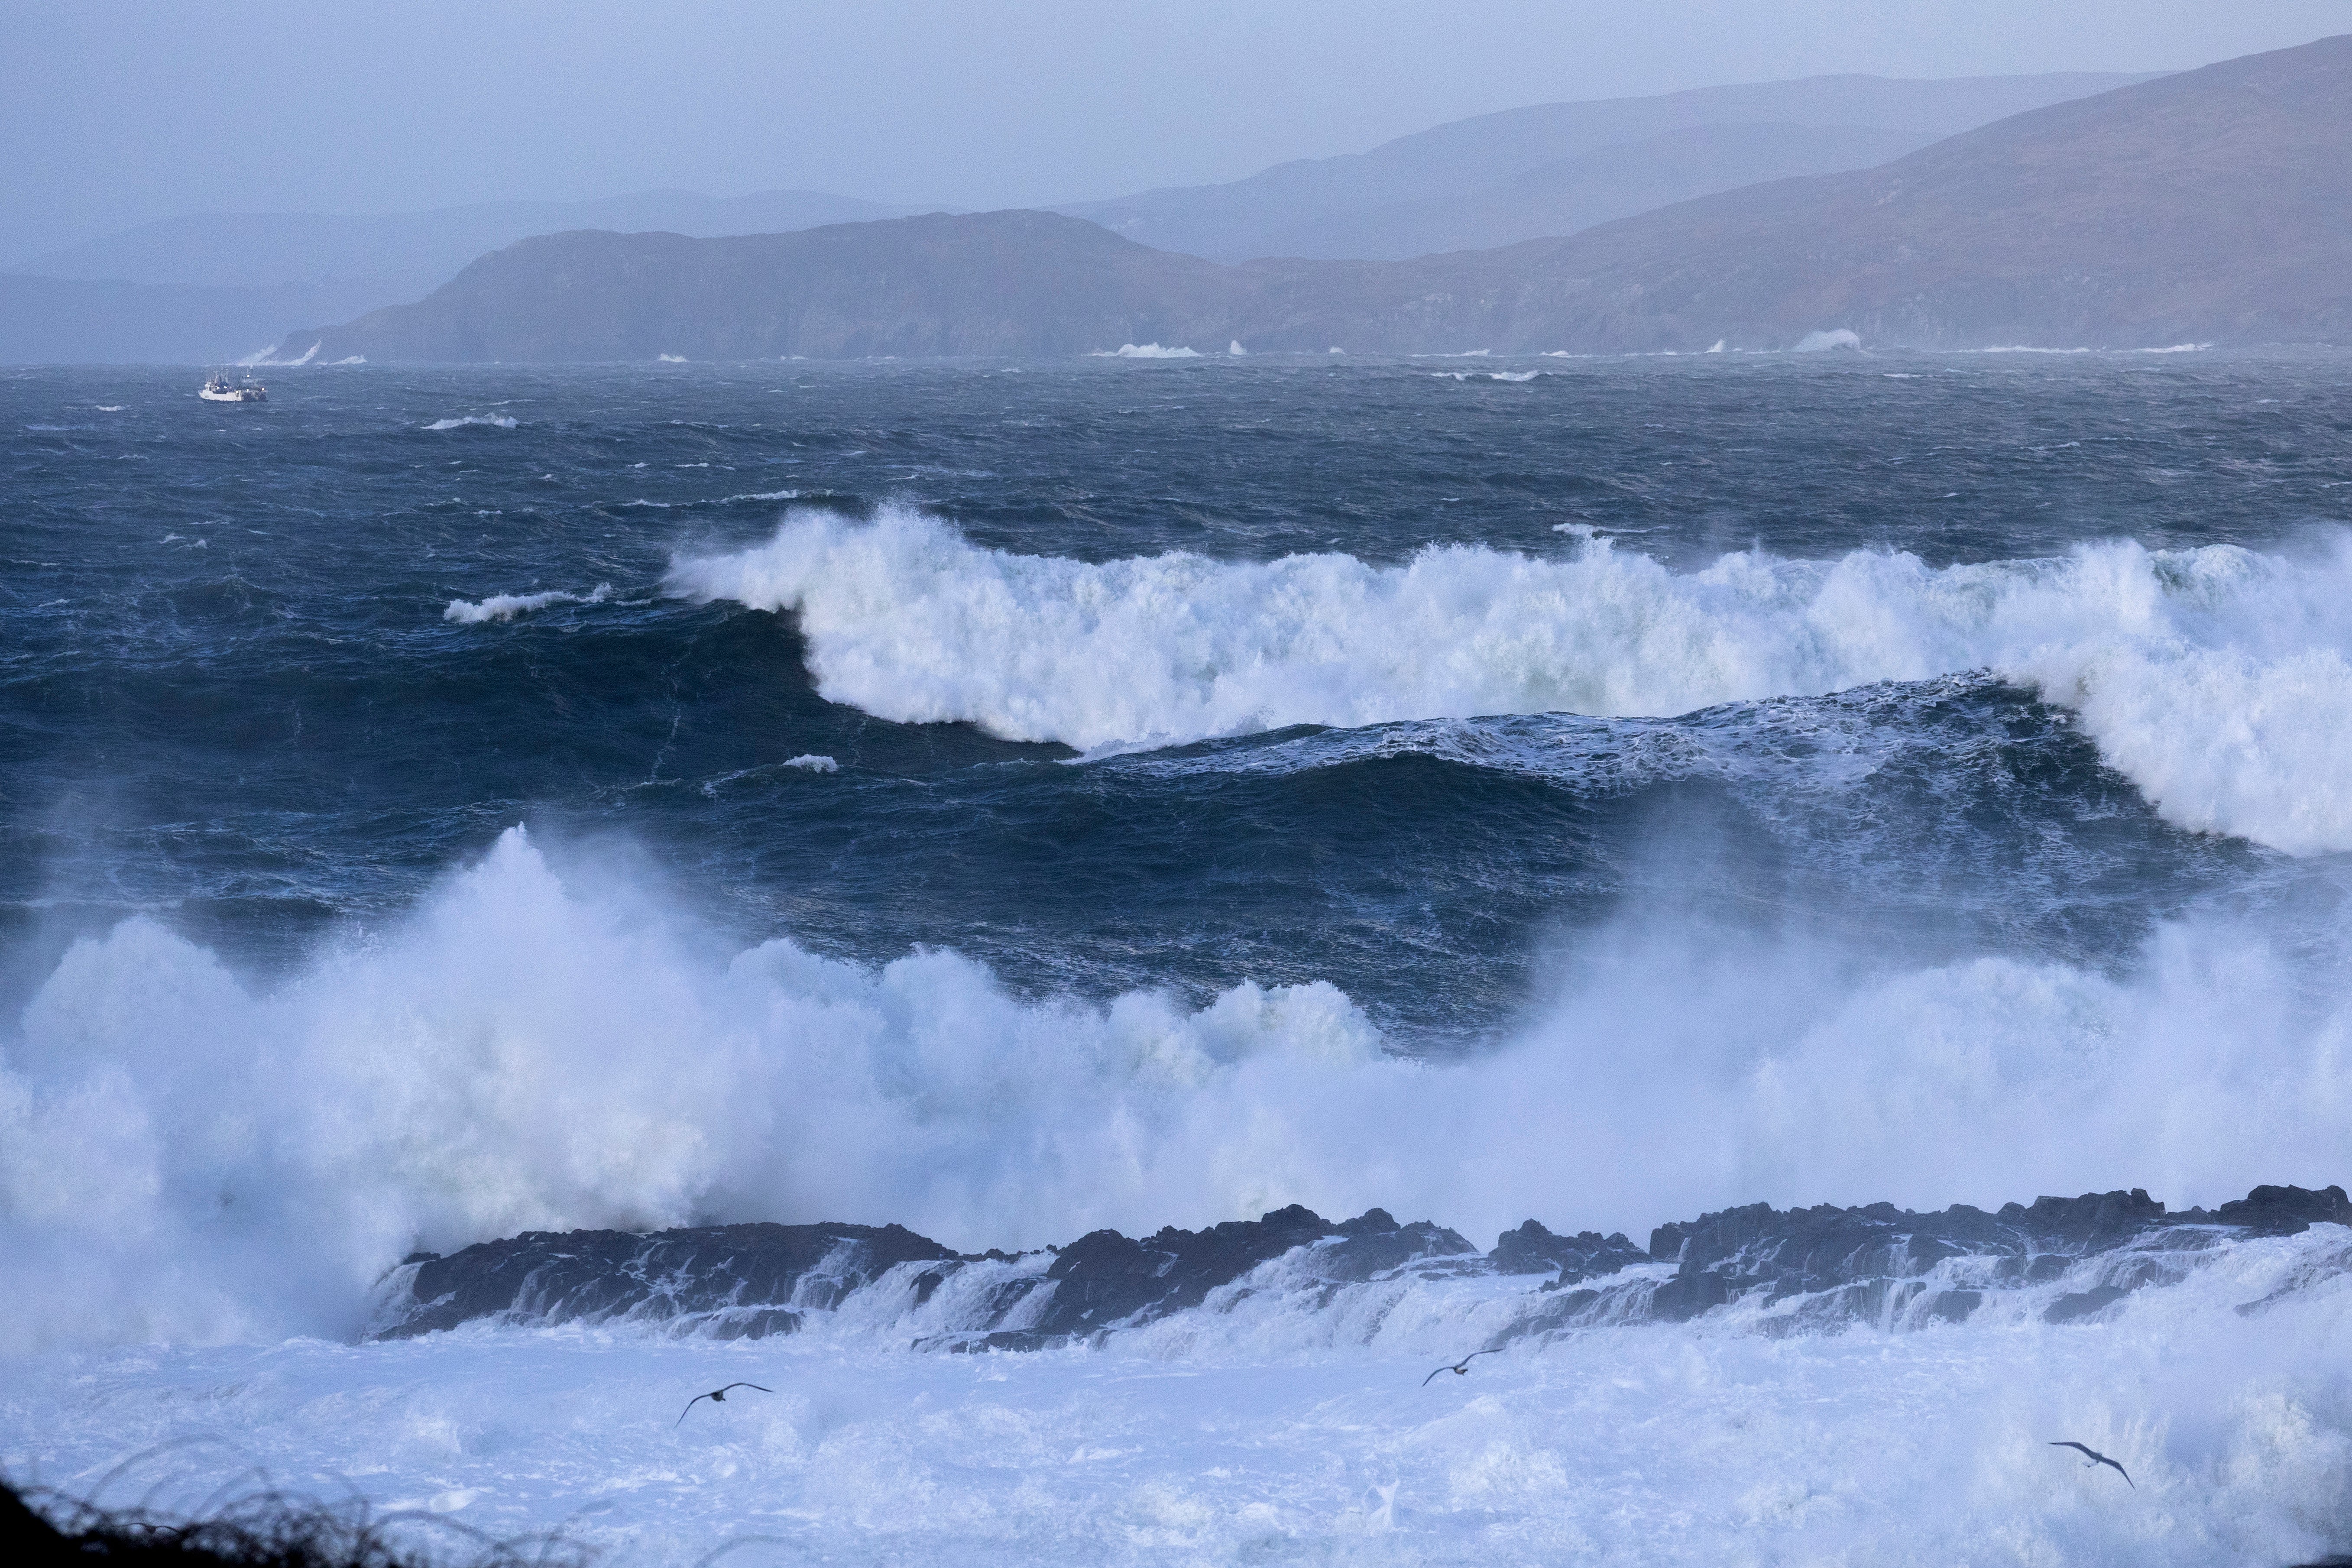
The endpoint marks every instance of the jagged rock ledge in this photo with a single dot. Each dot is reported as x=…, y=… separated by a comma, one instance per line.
x=1831, y=1266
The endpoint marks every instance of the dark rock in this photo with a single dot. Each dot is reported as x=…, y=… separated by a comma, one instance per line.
x=1833, y=1265
x=2286, y=1211
x=1952, y=1306
x=1721, y=1257
x=542, y=1277
x=757, y=1325
x=2077, y=1304
x=1105, y=1278
x=1532, y=1250
x=2093, y=1220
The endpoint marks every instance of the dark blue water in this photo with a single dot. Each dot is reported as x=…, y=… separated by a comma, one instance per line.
x=228, y=694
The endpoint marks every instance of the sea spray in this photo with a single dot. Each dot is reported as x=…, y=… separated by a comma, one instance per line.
x=190, y=1154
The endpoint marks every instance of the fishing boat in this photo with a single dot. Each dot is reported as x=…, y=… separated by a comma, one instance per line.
x=219, y=389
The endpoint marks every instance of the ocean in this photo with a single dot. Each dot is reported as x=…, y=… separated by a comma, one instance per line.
x=1014, y=800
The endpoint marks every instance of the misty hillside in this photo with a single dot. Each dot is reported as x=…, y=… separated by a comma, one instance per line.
x=2215, y=205
x=2212, y=205
x=216, y=286
x=1555, y=168
x=1574, y=194
x=219, y=286
x=991, y=283
x=73, y=320
x=416, y=251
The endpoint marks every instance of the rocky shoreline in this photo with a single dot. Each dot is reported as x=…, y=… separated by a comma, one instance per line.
x=1792, y=1270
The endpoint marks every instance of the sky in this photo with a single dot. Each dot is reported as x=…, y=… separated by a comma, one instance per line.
x=114, y=112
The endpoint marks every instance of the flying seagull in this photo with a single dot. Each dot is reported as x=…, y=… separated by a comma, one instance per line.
x=716, y=1396
x=1458, y=1368
x=2098, y=1459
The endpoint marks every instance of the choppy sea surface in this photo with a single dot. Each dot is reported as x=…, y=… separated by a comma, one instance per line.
x=1013, y=799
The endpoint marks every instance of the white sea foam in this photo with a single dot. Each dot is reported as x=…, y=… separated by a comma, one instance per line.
x=1244, y=1440
x=499, y=421
x=2219, y=679
x=507, y=606
x=669, y=359
x=1147, y=350
x=1836, y=338
x=188, y=1154
x=266, y=356
x=813, y=762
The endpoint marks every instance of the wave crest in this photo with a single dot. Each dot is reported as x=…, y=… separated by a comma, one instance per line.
x=2217, y=679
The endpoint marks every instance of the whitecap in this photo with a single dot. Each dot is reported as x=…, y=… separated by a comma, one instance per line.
x=507, y=606
x=500, y=420
x=2217, y=678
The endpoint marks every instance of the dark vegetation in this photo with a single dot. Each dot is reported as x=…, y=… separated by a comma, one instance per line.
x=266, y=1529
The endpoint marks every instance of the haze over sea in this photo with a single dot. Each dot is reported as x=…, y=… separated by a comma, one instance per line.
x=1011, y=799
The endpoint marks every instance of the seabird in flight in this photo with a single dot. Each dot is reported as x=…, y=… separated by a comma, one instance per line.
x=1458, y=1368
x=2098, y=1459
x=716, y=1396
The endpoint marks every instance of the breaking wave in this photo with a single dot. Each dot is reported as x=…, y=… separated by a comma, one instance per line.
x=2219, y=679
x=507, y=606
x=188, y=1154
x=497, y=421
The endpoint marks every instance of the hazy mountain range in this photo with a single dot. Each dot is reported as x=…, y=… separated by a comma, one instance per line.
x=214, y=286
x=412, y=253
x=2212, y=205
x=1556, y=168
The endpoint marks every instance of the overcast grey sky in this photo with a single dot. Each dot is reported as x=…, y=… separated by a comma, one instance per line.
x=112, y=112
